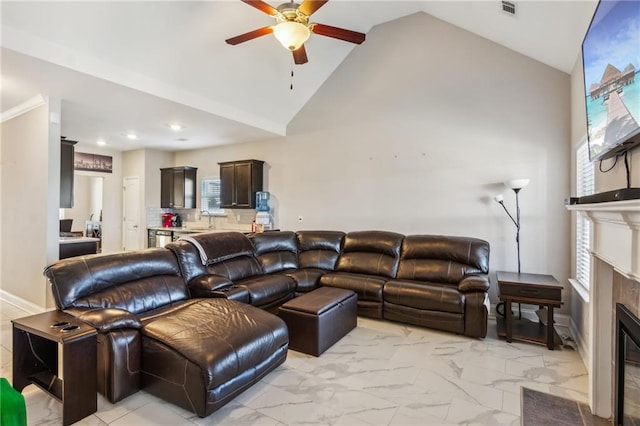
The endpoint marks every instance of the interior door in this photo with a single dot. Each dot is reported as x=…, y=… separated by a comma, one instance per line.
x=131, y=214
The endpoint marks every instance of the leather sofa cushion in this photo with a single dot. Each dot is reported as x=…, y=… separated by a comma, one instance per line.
x=265, y=289
x=135, y=281
x=276, y=251
x=443, y=259
x=371, y=252
x=236, y=269
x=319, y=249
x=221, y=337
x=306, y=279
x=427, y=296
x=367, y=287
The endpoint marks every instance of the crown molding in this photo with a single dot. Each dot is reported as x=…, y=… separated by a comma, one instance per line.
x=24, y=107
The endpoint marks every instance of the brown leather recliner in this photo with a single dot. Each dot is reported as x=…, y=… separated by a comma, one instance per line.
x=368, y=260
x=227, y=259
x=441, y=283
x=304, y=256
x=196, y=353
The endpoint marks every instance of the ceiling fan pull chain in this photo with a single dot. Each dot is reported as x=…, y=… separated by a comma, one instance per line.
x=291, y=85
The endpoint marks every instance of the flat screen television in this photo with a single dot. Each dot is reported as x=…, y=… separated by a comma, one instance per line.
x=611, y=62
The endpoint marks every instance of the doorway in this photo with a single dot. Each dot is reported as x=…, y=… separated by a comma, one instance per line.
x=86, y=213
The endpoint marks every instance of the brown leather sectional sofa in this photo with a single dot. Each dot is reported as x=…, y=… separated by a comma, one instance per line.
x=191, y=323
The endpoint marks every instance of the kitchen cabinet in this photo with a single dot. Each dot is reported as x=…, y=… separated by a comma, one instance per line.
x=178, y=187
x=239, y=182
x=67, y=151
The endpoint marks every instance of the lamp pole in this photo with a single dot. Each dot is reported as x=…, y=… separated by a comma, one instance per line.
x=516, y=185
x=517, y=222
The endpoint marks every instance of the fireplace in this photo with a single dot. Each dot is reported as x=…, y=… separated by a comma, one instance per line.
x=627, y=411
x=615, y=278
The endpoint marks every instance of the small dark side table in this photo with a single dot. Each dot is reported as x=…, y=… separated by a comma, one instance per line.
x=534, y=289
x=58, y=353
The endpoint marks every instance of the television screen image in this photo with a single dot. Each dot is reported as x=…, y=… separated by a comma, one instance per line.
x=611, y=62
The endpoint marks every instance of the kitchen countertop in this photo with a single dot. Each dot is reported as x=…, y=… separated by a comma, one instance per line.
x=74, y=240
x=186, y=229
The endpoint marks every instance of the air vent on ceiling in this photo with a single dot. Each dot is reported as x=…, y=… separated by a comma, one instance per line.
x=509, y=7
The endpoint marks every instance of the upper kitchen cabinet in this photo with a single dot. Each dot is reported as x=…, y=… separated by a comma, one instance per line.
x=239, y=182
x=178, y=187
x=67, y=151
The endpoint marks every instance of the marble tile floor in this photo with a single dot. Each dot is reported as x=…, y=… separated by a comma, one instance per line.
x=381, y=373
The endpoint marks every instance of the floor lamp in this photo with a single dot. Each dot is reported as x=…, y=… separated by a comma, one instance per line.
x=516, y=185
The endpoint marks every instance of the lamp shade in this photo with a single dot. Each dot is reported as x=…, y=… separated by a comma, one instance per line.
x=517, y=183
x=291, y=34
x=499, y=198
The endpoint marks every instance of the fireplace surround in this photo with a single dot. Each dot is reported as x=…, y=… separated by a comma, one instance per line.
x=627, y=409
x=615, y=277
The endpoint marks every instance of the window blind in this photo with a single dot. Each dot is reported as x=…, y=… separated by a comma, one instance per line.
x=585, y=185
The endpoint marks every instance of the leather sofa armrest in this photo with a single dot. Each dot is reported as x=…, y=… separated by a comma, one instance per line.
x=474, y=283
x=208, y=285
x=106, y=319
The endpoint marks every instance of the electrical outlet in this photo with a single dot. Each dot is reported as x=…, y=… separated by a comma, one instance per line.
x=300, y=219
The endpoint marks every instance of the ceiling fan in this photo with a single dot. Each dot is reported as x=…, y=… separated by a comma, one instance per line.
x=292, y=28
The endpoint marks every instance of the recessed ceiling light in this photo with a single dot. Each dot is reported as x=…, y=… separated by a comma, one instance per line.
x=132, y=136
x=101, y=143
x=176, y=127
x=182, y=139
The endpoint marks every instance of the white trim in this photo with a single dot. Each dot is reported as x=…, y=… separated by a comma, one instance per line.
x=580, y=289
x=580, y=342
x=24, y=107
x=19, y=302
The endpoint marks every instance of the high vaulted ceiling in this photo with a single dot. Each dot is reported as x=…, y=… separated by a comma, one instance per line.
x=123, y=66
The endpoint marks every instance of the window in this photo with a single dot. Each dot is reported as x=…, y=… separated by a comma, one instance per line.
x=210, y=196
x=585, y=185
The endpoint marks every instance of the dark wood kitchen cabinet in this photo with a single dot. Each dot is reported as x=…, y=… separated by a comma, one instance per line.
x=239, y=182
x=67, y=151
x=178, y=187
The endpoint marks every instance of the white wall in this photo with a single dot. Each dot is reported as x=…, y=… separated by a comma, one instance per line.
x=414, y=133
x=146, y=164
x=30, y=194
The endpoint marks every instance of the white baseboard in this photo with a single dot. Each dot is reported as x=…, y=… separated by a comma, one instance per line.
x=582, y=346
x=19, y=302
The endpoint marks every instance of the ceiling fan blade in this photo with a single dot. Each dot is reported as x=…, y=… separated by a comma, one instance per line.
x=262, y=6
x=249, y=36
x=300, y=56
x=310, y=6
x=339, y=33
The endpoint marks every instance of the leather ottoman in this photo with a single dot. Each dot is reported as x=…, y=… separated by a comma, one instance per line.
x=202, y=355
x=318, y=319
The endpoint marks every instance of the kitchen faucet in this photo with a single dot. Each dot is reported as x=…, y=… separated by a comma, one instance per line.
x=206, y=213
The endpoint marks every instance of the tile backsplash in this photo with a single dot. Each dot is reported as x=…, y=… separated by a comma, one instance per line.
x=237, y=220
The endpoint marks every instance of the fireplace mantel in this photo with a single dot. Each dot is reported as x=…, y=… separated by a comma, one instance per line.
x=616, y=234
x=616, y=243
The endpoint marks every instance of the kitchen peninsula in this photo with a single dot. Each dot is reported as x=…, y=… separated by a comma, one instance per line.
x=78, y=246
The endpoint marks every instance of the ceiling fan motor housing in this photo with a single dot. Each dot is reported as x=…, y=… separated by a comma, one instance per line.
x=288, y=12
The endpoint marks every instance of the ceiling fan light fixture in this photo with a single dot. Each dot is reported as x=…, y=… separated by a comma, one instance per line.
x=291, y=34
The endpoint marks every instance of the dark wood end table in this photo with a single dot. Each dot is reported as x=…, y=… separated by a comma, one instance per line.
x=535, y=289
x=58, y=353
